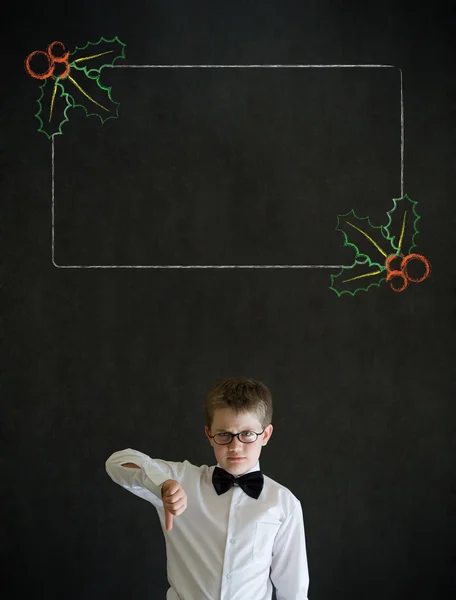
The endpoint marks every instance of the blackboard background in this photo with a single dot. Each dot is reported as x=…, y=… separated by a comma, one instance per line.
x=96, y=360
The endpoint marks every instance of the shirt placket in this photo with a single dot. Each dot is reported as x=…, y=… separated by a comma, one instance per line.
x=226, y=591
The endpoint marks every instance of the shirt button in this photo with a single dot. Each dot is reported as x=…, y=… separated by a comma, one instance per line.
x=233, y=540
x=228, y=576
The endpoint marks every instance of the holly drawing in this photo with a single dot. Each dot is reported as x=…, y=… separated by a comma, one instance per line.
x=382, y=253
x=73, y=79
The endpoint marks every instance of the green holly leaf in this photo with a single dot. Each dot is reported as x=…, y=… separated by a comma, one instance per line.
x=92, y=57
x=83, y=81
x=368, y=241
x=54, y=104
x=89, y=94
x=360, y=276
x=402, y=225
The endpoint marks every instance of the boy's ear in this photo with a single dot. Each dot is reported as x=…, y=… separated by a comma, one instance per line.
x=268, y=431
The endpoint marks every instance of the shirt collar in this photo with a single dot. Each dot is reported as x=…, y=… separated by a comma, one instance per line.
x=255, y=467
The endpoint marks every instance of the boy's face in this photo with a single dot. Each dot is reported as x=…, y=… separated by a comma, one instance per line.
x=226, y=420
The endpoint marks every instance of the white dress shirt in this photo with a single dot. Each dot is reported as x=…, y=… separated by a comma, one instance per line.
x=226, y=547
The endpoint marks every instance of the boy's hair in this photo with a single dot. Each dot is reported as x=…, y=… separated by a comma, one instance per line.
x=240, y=394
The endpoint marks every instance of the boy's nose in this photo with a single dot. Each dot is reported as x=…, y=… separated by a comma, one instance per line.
x=235, y=443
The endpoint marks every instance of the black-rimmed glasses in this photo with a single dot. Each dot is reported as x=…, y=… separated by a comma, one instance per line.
x=226, y=437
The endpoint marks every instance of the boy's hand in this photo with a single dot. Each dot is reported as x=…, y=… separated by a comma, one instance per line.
x=174, y=501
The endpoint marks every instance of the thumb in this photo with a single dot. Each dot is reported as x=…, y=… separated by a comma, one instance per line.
x=168, y=520
x=167, y=489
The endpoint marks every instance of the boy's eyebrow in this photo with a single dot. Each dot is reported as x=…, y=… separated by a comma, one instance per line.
x=245, y=429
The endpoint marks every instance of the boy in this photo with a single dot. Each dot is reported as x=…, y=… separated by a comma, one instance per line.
x=240, y=530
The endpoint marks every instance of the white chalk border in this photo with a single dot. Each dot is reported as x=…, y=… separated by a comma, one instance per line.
x=218, y=266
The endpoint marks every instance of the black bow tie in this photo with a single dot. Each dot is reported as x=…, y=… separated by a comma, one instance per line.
x=251, y=483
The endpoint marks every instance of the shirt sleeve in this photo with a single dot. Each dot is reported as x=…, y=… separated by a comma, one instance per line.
x=144, y=482
x=289, y=570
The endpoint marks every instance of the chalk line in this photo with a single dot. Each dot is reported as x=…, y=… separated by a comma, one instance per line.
x=402, y=137
x=243, y=66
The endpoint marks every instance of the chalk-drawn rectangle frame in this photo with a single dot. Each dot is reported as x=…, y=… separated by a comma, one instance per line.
x=255, y=66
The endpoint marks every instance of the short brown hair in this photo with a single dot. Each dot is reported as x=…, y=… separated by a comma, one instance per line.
x=240, y=394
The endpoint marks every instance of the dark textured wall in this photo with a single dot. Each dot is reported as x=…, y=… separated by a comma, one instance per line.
x=229, y=167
